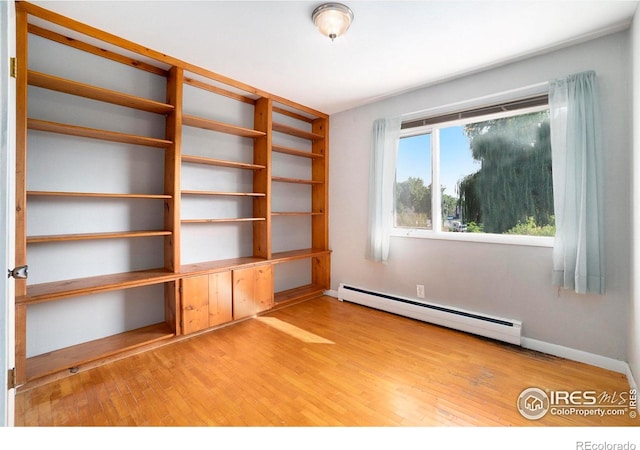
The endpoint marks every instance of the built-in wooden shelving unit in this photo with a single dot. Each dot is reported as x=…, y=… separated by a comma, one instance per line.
x=245, y=134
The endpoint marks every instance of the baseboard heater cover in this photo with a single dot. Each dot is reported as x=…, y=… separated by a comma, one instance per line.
x=498, y=328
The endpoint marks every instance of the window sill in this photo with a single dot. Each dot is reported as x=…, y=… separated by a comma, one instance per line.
x=486, y=238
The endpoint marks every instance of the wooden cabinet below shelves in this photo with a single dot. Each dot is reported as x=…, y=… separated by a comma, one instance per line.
x=252, y=290
x=213, y=299
x=206, y=301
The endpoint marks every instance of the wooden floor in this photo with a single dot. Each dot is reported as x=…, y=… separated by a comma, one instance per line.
x=318, y=363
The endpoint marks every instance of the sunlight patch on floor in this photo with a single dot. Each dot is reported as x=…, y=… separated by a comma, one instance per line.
x=293, y=331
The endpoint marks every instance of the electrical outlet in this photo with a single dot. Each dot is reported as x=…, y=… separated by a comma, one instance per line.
x=420, y=290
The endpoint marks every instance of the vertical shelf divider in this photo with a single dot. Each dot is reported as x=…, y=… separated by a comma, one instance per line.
x=262, y=179
x=172, y=162
x=320, y=265
x=320, y=191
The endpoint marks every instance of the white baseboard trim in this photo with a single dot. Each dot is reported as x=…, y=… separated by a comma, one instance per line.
x=331, y=293
x=577, y=355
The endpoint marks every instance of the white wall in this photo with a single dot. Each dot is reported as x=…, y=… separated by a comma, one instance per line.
x=634, y=308
x=505, y=280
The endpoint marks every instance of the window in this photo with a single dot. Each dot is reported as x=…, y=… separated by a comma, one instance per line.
x=493, y=171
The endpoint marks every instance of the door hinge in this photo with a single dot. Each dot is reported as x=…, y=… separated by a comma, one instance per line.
x=19, y=273
x=13, y=67
x=12, y=379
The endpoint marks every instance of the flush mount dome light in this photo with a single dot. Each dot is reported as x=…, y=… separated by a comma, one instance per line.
x=332, y=19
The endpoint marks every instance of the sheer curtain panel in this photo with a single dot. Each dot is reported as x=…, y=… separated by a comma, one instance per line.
x=382, y=170
x=577, y=159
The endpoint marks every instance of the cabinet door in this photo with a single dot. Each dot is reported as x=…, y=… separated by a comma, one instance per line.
x=195, y=303
x=220, y=303
x=206, y=301
x=252, y=290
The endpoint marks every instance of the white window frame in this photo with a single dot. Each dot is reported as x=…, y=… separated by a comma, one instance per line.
x=436, y=206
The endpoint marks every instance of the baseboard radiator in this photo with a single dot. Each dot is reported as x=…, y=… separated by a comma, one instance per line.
x=476, y=323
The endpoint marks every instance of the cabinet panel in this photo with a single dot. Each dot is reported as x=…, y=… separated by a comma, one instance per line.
x=252, y=290
x=220, y=304
x=206, y=301
x=195, y=303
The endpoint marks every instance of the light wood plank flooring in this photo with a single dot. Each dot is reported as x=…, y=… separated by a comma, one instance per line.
x=318, y=363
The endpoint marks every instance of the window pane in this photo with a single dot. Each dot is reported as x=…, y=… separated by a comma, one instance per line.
x=500, y=171
x=456, y=163
x=413, y=182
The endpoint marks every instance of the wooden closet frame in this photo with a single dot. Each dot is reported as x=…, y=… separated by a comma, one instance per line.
x=42, y=368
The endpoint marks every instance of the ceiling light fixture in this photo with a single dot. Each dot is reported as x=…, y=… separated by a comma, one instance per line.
x=332, y=19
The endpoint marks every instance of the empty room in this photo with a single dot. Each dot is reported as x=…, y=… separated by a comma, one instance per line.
x=407, y=214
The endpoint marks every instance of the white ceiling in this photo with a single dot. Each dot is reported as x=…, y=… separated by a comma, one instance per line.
x=392, y=46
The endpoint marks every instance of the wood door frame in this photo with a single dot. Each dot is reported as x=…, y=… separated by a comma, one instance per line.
x=7, y=206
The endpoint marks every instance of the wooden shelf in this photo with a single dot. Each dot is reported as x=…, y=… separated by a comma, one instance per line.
x=221, y=265
x=74, y=356
x=294, y=180
x=91, y=285
x=292, y=131
x=96, y=93
x=295, y=213
x=295, y=152
x=214, y=193
x=248, y=261
x=298, y=293
x=212, y=125
x=95, y=50
x=93, y=133
x=96, y=195
x=242, y=219
x=94, y=236
x=293, y=114
x=292, y=255
x=220, y=162
x=219, y=91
